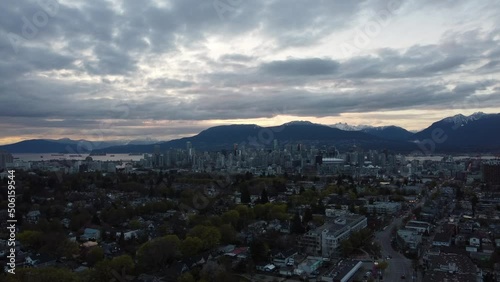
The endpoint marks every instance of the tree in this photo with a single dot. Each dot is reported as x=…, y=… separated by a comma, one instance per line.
x=46, y=274
x=191, y=246
x=296, y=226
x=346, y=248
x=103, y=270
x=186, y=277
x=94, y=255
x=308, y=216
x=245, y=195
x=67, y=248
x=31, y=238
x=263, y=196
x=228, y=234
x=232, y=217
x=96, y=220
x=156, y=253
x=135, y=224
x=259, y=250
x=208, y=234
x=382, y=265
x=121, y=240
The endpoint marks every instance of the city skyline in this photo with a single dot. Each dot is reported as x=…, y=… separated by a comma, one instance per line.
x=121, y=70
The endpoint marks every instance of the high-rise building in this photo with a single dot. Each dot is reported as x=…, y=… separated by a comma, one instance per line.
x=491, y=172
x=156, y=156
x=5, y=158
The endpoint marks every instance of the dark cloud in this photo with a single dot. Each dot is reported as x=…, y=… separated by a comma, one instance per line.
x=301, y=67
x=141, y=63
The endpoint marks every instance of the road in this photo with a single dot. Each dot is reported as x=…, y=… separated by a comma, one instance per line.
x=398, y=264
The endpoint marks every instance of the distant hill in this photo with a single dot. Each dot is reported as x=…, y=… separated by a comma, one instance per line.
x=225, y=136
x=389, y=132
x=64, y=145
x=475, y=133
x=42, y=146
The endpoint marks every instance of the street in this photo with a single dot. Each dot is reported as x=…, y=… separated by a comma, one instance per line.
x=398, y=265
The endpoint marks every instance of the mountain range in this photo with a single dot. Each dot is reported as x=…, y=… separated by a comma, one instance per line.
x=478, y=132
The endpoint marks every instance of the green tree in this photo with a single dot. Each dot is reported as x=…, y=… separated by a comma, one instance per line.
x=296, y=226
x=346, y=248
x=135, y=224
x=31, y=238
x=232, y=217
x=259, y=250
x=191, y=246
x=308, y=216
x=155, y=254
x=228, y=234
x=245, y=194
x=46, y=274
x=382, y=265
x=94, y=255
x=263, y=196
x=208, y=234
x=186, y=277
x=103, y=270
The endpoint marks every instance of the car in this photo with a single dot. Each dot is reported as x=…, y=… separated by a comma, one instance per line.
x=403, y=276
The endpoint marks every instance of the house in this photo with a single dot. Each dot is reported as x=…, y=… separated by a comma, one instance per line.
x=286, y=271
x=33, y=216
x=409, y=240
x=130, y=234
x=198, y=260
x=443, y=265
x=91, y=234
x=442, y=239
x=474, y=241
x=420, y=226
x=40, y=260
x=175, y=270
x=309, y=265
x=241, y=252
x=343, y=271
x=283, y=258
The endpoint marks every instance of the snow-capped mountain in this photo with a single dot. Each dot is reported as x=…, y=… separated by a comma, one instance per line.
x=461, y=119
x=348, y=127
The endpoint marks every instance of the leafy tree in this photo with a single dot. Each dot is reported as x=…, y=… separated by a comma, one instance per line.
x=156, y=253
x=103, y=270
x=46, y=274
x=67, y=248
x=186, y=277
x=31, y=238
x=382, y=265
x=231, y=217
x=208, y=234
x=94, y=255
x=346, y=248
x=228, y=234
x=191, y=246
x=245, y=195
x=263, y=196
x=259, y=250
x=135, y=224
x=296, y=226
x=308, y=216
x=96, y=220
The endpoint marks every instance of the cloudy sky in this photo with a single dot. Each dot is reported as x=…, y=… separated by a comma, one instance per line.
x=107, y=70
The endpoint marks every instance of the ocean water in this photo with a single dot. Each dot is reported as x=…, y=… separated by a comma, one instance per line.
x=55, y=156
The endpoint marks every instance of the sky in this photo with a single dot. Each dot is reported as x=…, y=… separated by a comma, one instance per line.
x=127, y=70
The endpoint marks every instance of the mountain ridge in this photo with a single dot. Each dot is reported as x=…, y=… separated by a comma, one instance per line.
x=474, y=132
